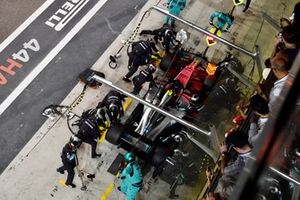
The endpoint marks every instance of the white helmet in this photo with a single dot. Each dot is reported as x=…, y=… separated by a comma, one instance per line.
x=75, y=141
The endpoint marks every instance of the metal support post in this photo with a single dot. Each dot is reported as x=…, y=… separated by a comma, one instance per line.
x=242, y=78
x=215, y=141
x=258, y=61
x=286, y=177
x=281, y=174
x=271, y=21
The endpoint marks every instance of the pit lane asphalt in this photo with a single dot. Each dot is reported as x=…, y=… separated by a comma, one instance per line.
x=13, y=13
x=22, y=118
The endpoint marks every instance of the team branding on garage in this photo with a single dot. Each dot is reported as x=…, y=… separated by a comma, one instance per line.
x=17, y=60
x=65, y=13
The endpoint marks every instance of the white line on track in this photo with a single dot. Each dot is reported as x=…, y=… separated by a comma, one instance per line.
x=25, y=24
x=35, y=72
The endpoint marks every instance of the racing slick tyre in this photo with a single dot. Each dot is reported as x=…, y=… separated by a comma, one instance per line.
x=166, y=62
x=113, y=134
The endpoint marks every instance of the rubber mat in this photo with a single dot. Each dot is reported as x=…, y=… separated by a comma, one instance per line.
x=115, y=166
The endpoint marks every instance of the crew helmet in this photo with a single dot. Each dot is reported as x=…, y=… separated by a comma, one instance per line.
x=151, y=68
x=129, y=157
x=75, y=141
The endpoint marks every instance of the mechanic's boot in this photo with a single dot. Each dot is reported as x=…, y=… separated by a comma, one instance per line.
x=71, y=184
x=126, y=79
x=60, y=171
x=96, y=155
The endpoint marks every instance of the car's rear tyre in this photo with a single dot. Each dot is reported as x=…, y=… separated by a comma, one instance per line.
x=113, y=134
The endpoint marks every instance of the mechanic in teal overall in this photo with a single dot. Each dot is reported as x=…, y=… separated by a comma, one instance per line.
x=223, y=19
x=174, y=7
x=132, y=179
